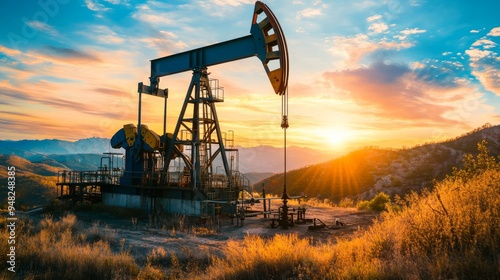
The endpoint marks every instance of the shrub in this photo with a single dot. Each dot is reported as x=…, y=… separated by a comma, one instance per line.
x=363, y=205
x=347, y=203
x=379, y=202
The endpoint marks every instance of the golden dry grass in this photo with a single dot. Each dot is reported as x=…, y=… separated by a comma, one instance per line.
x=450, y=232
x=53, y=250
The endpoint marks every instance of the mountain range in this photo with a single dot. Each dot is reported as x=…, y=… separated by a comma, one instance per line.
x=85, y=154
x=364, y=173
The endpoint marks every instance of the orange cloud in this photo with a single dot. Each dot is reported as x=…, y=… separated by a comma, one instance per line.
x=394, y=92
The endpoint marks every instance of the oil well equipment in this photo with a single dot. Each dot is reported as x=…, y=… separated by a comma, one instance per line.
x=176, y=172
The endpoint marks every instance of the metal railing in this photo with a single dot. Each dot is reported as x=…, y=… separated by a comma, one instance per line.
x=151, y=178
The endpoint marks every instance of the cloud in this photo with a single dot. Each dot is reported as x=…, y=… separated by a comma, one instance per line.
x=70, y=55
x=378, y=27
x=19, y=114
x=485, y=43
x=95, y=6
x=232, y=3
x=350, y=50
x=374, y=18
x=164, y=42
x=412, y=31
x=43, y=27
x=118, y=2
x=489, y=76
x=308, y=13
x=154, y=15
x=9, y=51
x=55, y=102
x=405, y=33
x=102, y=34
x=394, y=92
x=494, y=32
x=112, y=92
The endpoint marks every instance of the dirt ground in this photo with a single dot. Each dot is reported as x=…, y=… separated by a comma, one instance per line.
x=141, y=237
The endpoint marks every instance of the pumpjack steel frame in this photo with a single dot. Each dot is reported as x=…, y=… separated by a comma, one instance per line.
x=266, y=41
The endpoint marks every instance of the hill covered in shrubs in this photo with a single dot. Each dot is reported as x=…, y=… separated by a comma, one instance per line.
x=362, y=174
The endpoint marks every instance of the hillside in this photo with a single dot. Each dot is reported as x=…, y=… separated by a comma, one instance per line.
x=366, y=172
x=35, y=182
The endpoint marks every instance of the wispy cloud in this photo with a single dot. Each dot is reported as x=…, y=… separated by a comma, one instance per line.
x=95, y=6
x=351, y=49
x=153, y=18
x=374, y=18
x=308, y=13
x=407, y=32
x=9, y=51
x=43, y=27
x=71, y=55
x=233, y=3
x=103, y=34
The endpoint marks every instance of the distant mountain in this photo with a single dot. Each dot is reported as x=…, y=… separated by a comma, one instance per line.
x=30, y=148
x=255, y=177
x=364, y=173
x=79, y=162
x=85, y=154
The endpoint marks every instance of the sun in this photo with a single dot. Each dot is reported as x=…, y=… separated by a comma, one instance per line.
x=339, y=137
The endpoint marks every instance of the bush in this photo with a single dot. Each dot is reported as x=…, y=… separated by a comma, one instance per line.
x=363, y=205
x=378, y=203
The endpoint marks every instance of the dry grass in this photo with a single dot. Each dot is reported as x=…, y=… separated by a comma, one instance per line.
x=54, y=250
x=449, y=233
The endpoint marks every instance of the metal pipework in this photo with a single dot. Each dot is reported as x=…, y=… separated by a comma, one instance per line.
x=266, y=41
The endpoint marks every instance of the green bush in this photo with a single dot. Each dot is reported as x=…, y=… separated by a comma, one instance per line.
x=378, y=203
x=363, y=205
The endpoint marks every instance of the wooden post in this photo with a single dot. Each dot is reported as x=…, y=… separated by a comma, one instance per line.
x=264, y=201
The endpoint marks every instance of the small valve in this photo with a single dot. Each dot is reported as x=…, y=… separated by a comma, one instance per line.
x=284, y=122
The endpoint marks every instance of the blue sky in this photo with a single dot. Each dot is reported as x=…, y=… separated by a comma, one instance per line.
x=384, y=73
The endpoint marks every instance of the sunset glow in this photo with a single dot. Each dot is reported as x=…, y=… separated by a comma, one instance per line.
x=339, y=137
x=385, y=73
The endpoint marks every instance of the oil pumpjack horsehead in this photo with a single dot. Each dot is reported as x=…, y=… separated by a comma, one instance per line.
x=149, y=155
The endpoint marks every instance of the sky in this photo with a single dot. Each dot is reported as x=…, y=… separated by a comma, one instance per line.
x=362, y=73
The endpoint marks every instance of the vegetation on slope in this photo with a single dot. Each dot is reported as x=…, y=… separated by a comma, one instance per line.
x=35, y=182
x=450, y=232
x=365, y=173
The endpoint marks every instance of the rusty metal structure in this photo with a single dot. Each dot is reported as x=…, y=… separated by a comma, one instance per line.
x=175, y=172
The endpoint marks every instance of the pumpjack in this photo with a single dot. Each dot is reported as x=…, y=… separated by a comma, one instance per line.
x=175, y=171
